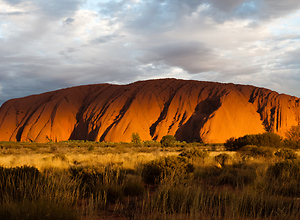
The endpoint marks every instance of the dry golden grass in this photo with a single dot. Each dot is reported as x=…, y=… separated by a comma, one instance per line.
x=62, y=157
x=204, y=189
x=63, y=161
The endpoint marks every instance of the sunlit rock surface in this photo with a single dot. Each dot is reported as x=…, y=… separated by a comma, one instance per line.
x=189, y=110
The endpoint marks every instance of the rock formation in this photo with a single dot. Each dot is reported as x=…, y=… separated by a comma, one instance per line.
x=189, y=110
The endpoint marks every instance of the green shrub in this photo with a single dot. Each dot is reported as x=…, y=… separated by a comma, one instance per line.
x=91, y=148
x=156, y=170
x=232, y=144
x=168, y=141
x=135, y=139
x=267, y=139
x=291, y=144
x=151, y=143
x=194, y=153
x=286, y=154
x=293, y=137
x=255, y=151
x=97, y=181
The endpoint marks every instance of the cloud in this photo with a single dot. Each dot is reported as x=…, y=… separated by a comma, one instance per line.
x=277, y=8
x=47, y=45
x=183, y=55
x=14, y=13
x=13, y=2
x=57, y=8
x=105, y=38
x=222, y=10
x=69, y=20
x=148, y=16
x=157, y=15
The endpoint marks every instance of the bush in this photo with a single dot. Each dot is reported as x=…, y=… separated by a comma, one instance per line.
x=267, y=139
x=151, y=144
x=231, y=144
x=109, y=184
x=135, y=139
x=255, y=151
x=291, y=144
x=100, y=182
x=286, y=154
x=168, y=141
x=194, y=153
x=156, y=170
x=222, y=159
x=293, y=137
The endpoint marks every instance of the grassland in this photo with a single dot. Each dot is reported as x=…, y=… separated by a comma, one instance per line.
x=93, y=180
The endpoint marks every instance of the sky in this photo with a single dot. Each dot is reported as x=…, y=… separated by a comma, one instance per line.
x=48, y=45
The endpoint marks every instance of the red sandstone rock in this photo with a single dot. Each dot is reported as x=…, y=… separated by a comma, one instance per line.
x=190, y=110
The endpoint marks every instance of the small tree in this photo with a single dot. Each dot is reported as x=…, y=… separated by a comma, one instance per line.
x=231, y=144
x=135, y=138
x=168, y=141
x=293, y=137
x=293, y=133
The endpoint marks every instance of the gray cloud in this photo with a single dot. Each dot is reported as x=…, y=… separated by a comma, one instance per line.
x=275, y=8
x=160, y=15
x=227, y=6
x=47, y=45
x=14, y=2
x=69, y=20
x=190, y=56
x=55, y=8
x=222, y=10
x=149, y=16
x=14, y=13
x=105, y=38
x=58, y=8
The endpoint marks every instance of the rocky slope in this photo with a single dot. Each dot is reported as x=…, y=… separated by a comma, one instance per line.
x=189, y=110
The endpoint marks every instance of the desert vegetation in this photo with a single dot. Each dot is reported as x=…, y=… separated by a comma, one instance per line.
x=258, y=179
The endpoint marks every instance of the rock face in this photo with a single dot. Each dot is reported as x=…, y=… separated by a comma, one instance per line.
x=189, y=110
